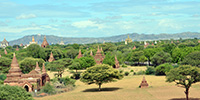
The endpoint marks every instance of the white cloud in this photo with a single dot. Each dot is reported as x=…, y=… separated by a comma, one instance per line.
x=88, y=23
x=26, y=16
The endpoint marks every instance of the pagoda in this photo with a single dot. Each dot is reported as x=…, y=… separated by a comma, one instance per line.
x=33, y=41
x=134, y=48
x=51, y=58
x=4, y=43
x=17, y=49
x=5, y=51
x=98, y=57
x=144, y=83
x=14, y=74
x=43, y=69
x=91, y=54
x=128, y=40
x=116, y=62
x=79, y=54
x=44, y=43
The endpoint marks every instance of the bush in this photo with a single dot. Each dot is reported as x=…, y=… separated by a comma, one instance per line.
x=48, y=88
x=140, y=72
x=162, y=69
x=76, y=76
x=2, y=78
x=67, y=81
x=121, y=71
x=131, y=70
x=124, y=66
x=150, y=71
x=126, y=73
x=8, y=92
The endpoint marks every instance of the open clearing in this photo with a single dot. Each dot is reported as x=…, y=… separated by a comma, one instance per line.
x=127, y=89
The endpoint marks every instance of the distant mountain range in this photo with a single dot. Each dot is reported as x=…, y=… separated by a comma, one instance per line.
x=134, y=36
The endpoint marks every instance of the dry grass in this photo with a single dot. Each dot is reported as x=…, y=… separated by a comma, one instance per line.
x=127, y=89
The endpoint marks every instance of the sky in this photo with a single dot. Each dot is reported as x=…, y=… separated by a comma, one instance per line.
x=97, y=18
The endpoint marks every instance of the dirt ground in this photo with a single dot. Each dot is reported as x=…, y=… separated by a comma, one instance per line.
x=127, y=89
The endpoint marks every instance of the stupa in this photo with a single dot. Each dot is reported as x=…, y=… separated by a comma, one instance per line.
x=116, y=62
x=144, y=83
x=51, y=58
x=98, y=57
x=44, y=43
x=79, y=54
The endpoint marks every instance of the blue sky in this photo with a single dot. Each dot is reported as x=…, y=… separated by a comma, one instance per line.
x=97, y=18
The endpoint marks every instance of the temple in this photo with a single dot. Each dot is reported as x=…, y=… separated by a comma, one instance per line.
x=44, y=43
x=91, y=53
x=144, y=83
x=134, y=48
x=4, y=43
x=128, y=40
x=5, y=52
x=79, y=54
x=33, y=41
x=17, y=49
x=116, y=62
x=33, y=80
x=98, y=57
x=61, y=43
x=51, y=58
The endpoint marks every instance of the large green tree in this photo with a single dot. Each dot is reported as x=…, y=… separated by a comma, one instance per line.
x=192, y=59
x=29, y=64
x=109, y=59
x=161, y=58
x=100, y=74
x=184, y=76
x=8, y=92
x=36, y=51
x=4, y=64
x=59, y=66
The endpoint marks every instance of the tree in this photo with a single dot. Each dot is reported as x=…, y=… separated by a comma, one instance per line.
x=109, y=59
x=71, y=53
x=192, y=59
x=28, y=64
x=161, y=58
x=8, y=92
x=36, y=51
x=59, y=66
x=136, y=56
x=86, y=62
x=48, y=88
x=184, y=76
x=4, y=64
x=100, y=74
x=149, y=52
x=163, y=69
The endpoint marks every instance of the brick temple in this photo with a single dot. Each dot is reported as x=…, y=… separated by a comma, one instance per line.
x=44, y=43
x=144, y=83
x=98, y=57
x=33, y=80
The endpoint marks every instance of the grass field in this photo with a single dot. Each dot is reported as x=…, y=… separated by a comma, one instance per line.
x=127, y=89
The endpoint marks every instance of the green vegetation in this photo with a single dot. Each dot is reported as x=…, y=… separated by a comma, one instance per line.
x=184, y=76
x=100, y=74
x=14, y=93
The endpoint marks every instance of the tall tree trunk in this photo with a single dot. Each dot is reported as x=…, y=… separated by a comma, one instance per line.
x=99, y=87
x=187, y=93
x=149, y=61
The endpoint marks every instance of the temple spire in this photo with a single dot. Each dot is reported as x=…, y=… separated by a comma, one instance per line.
x=44, y=43
x=91, y=53
x=144, y=83
x=51, y=58
x=79, y=54
x=116, y=62
x=37, y=68
x=43, y=68
x=5, y=51
x=33, y=39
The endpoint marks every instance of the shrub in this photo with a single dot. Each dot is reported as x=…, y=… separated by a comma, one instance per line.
x=67, y=81
x=140, y=72
x=76, y=75
x=8, y=92
x=162, y=69
x=131, y=70
x=126, y=73
x=124, y=66
x=150, y=71
x=121, y=71
x=48, y=88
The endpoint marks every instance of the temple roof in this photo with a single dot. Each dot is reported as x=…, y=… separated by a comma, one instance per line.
x=44, y=43
x=51, y=58
x=91, y=54
x=98, y=57
x=37, y=68
x=79, y=55
x=43, y=69
x=33, y=39
x=4, y=41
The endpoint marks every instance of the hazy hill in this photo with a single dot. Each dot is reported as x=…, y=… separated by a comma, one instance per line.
x=135, y=36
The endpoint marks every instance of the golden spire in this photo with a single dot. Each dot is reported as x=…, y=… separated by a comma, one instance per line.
x=33, y=40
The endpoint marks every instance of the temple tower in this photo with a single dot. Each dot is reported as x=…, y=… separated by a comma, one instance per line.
x=51, y=58
x=79, y=54
x=98, y=57
x=91, y=53
x=43, y=68
x=134, y=48
x=37, y=68
x=144, y=83
x=5, y=51
x=44, y=43
x=4, y=43
x=17, y=49
x=116, y=62
x=14, y=74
